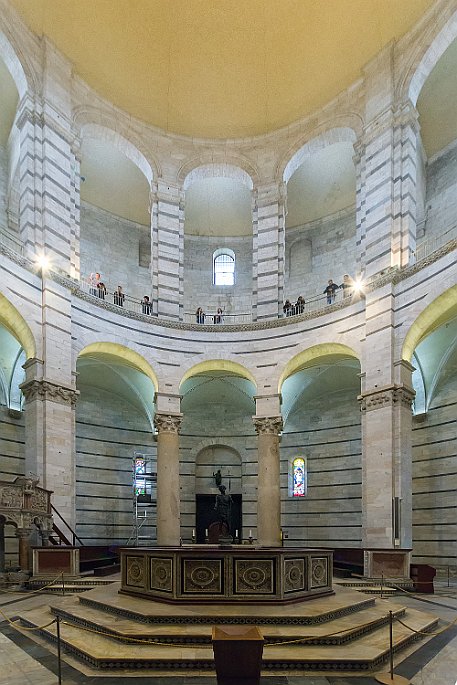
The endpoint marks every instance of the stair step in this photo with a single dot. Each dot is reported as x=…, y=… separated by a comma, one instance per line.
x=368, y=652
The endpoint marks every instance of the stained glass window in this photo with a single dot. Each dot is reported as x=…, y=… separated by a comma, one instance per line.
x=140, y=483
x=298, y=477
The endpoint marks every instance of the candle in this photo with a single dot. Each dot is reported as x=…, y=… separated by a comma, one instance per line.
x=206, y=532
x=236, y=533
x=193, y=532
x=250, y=533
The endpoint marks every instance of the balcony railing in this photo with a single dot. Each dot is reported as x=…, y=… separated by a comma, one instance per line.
x=431, y=244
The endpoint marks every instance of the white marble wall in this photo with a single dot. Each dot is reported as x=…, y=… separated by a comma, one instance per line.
x=441, y=192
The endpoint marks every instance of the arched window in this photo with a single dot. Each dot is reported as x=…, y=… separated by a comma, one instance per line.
x=299, y=477
x=224, y=267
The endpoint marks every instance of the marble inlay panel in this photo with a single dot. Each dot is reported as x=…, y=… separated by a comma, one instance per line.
x=135, y=575
x=319, y=572
x=254, y=576
x=294, y=575
x=202, y=576
x=161, y=574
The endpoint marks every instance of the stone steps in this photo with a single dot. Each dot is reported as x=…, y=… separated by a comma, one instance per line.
x=181, y=635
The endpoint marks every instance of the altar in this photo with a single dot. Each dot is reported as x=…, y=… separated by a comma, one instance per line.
x=226, y=574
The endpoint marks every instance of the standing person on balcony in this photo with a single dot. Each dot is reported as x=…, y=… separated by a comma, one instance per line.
x=300, y=305
x=347, y=286
x=330, y=291
x=118, y=296
x=94, y=280
x=200, y=315
x=101, y=290
x=146, y=305
x=288, y=308
x=218, y=317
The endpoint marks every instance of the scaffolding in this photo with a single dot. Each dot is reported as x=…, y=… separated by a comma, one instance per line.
x=144, y=489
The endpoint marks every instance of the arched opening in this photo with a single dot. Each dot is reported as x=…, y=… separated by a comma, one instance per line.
x=114, y=425
x=321, y=447
x=218, y=221
x=217, y=434
x=9, y=190
x=434, y=443
x=115, y=213
x=320, y=217
x=437, y=163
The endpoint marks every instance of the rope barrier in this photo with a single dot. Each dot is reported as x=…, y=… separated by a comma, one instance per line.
x=428, y=632
x=15, y=623
x=33, y=592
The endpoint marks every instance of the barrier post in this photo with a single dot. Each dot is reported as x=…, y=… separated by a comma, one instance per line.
x=390, y=678
x=59, y=662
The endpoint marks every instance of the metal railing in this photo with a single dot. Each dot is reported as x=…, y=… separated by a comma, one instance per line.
x=431, y=244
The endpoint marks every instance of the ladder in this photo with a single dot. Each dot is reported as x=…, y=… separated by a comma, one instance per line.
x=144, y=488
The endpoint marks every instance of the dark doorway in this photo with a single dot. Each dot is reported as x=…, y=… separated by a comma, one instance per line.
x=205, y=515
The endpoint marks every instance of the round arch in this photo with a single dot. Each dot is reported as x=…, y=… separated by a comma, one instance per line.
x=425, y=61
x=105, y=133
x=128, y=356
x=14, y=65
x=218, y=365
x=236, y=169
x=17, y=326
x=297, y=154
x=433, y=316
x=313, y=353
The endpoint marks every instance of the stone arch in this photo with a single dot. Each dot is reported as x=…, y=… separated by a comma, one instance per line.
x=213, y=364
x=125, y=354
x=235, y=168
x=433, y=316
x=304, y=148
x=229, y=456
x=313, y=353
x=17, y=326
x=426, y=56
x=17, y=67
x=130, y=150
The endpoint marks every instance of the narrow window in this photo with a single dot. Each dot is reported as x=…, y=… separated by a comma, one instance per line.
x=299, y=477
x=224, y=267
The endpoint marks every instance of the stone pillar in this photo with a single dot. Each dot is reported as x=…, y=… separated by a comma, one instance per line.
x=24, y=548
x=50, y=434
x=385, y=401
x=386, y=173
x=2, y=545
x=268, y=488
x=268, y=250
x=168, y=484
x=167, y=247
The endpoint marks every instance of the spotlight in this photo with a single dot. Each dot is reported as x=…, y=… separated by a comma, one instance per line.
x=43, y=262
x=358, y=285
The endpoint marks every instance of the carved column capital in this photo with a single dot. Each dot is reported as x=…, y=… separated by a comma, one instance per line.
x=388, y=395
x=168, y=423
x=45, y=390
x=268, y=424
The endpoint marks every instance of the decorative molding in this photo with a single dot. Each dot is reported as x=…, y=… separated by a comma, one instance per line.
x=45, y=390
x=168, y=423
x=271, y=425
x=389, y=395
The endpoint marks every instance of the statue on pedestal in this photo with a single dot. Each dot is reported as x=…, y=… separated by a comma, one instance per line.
x=223, y=508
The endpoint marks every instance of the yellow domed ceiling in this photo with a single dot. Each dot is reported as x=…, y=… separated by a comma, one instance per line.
x=220, y=68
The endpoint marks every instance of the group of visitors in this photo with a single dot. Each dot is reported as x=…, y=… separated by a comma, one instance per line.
x=347, y=286
x=98, y=289
x=290, y=309
x=200, y=316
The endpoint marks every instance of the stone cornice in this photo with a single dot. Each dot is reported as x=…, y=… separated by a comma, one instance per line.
x=168, y=423
x=271, y=425
x=46, y=390
x=388, y=395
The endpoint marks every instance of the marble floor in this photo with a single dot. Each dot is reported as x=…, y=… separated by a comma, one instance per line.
x=24, y=661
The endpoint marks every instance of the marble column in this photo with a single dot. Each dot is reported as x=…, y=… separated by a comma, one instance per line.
x=24, y=535
x=268, y=488
x=168, y=484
